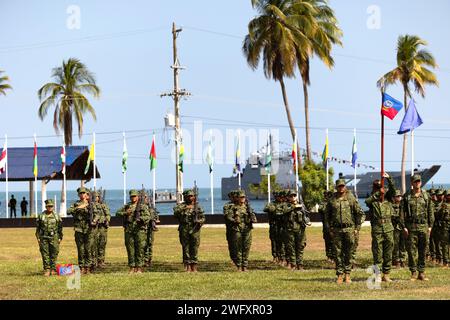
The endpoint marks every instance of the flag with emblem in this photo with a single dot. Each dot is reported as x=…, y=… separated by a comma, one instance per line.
x=153, y=162
x=90, y=158
x=390, y=107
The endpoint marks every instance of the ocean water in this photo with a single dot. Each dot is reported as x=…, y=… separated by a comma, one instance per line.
x=114, y=199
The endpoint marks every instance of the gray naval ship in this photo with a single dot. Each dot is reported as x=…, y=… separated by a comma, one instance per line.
x=364, y=181
x=254, y=171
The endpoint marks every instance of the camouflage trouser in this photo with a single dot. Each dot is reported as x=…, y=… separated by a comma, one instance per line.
x=354, y=249
x=86, y=247
x=431, y=250
x=442, y=233
x=190, y=243
x=280, y=248
x=295, y=245
x=435, y=238
x=148, y=252
x=382, y=247
x=329, y=251
x=343, y=243
x=135, y=241
x=399, y=252
x=241, y=242
x=231, y=247
x=49, y=249
x=417, y=243
x=102, y=239
x=273, y=239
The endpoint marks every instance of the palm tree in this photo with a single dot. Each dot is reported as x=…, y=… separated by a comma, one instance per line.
x=322, y=34
x=412, y=63
x=271, y=37
x=72, y=81
x=3, y=85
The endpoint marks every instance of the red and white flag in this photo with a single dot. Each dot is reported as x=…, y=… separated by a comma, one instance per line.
x=3, y=159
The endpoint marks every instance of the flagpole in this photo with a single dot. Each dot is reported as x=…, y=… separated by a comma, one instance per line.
x=296, y=164
x=354, y=177
x=6, y=175
x=95, y=165
x=412, y=152
x=239, y=150
x=268, y=172
x=124, y=172
x=154, y=178
x=211, y=174
x=63, y=205
x=382, y=149
x=328, y=183
x=35, y=184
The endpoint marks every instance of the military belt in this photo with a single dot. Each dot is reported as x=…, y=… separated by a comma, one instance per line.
x=384, y=221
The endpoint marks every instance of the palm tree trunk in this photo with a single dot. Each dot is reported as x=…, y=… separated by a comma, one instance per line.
x=291, y=123
x=405, y=148
x=308, y=137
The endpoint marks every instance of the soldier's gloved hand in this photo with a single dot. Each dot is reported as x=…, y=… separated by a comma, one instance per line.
x=429, y=231
x=405, y=232
x=356, y=232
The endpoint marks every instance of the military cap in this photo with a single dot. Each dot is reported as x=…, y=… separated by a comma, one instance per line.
x=397, y=193
x=133, y=193
x=95, y=193
x=416, y=177
x=340, y=182
x=230, y=194
x=240, y=193
x=82, y=190
x=440, y=192
x=188, y=192
x=432, y=191
x=291, y=192
x=49, y=203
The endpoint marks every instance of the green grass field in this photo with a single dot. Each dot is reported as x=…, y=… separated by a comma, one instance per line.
x=21, y=272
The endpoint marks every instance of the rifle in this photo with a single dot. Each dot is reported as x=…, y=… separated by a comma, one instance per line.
x=150, y=204
x=197, y=218
x=251, y=217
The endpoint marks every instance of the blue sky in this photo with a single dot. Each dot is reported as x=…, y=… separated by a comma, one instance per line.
x=128, y=47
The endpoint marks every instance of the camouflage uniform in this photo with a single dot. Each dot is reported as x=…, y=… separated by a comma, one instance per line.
x=417, y=216
x=430, y=253
x=382, y=232
x=343, y=218
x=85, y=231
x=294, y=215
x=226, y=208
x=399, y=252
x=275, y=211
x=102, y=232
x=435, y=244
x=49, y=232
x=154, y=218
x=442, y=229
x=241, y=219
x=358, y=228
x=135, y=230
x=329, y=251
x=190, y=222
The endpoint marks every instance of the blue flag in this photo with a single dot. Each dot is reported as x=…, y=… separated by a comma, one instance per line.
x=354, y=153
x=412, y=119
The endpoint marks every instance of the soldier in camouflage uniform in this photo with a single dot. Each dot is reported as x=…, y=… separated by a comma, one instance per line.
x=85, y=228
x=152, y=228
x=417, y=218
x=343, y=219
x=295, y=215
x=191, y=217
x=275, y=211
x=102, y=228
x=381, y=213
x=329, y=251
x=399, y=253
x=430, y=248
x=136, y=219
x=49, y=233
x=436, y=254
x=241, y=217
x=228, y=225
x=442, y=230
